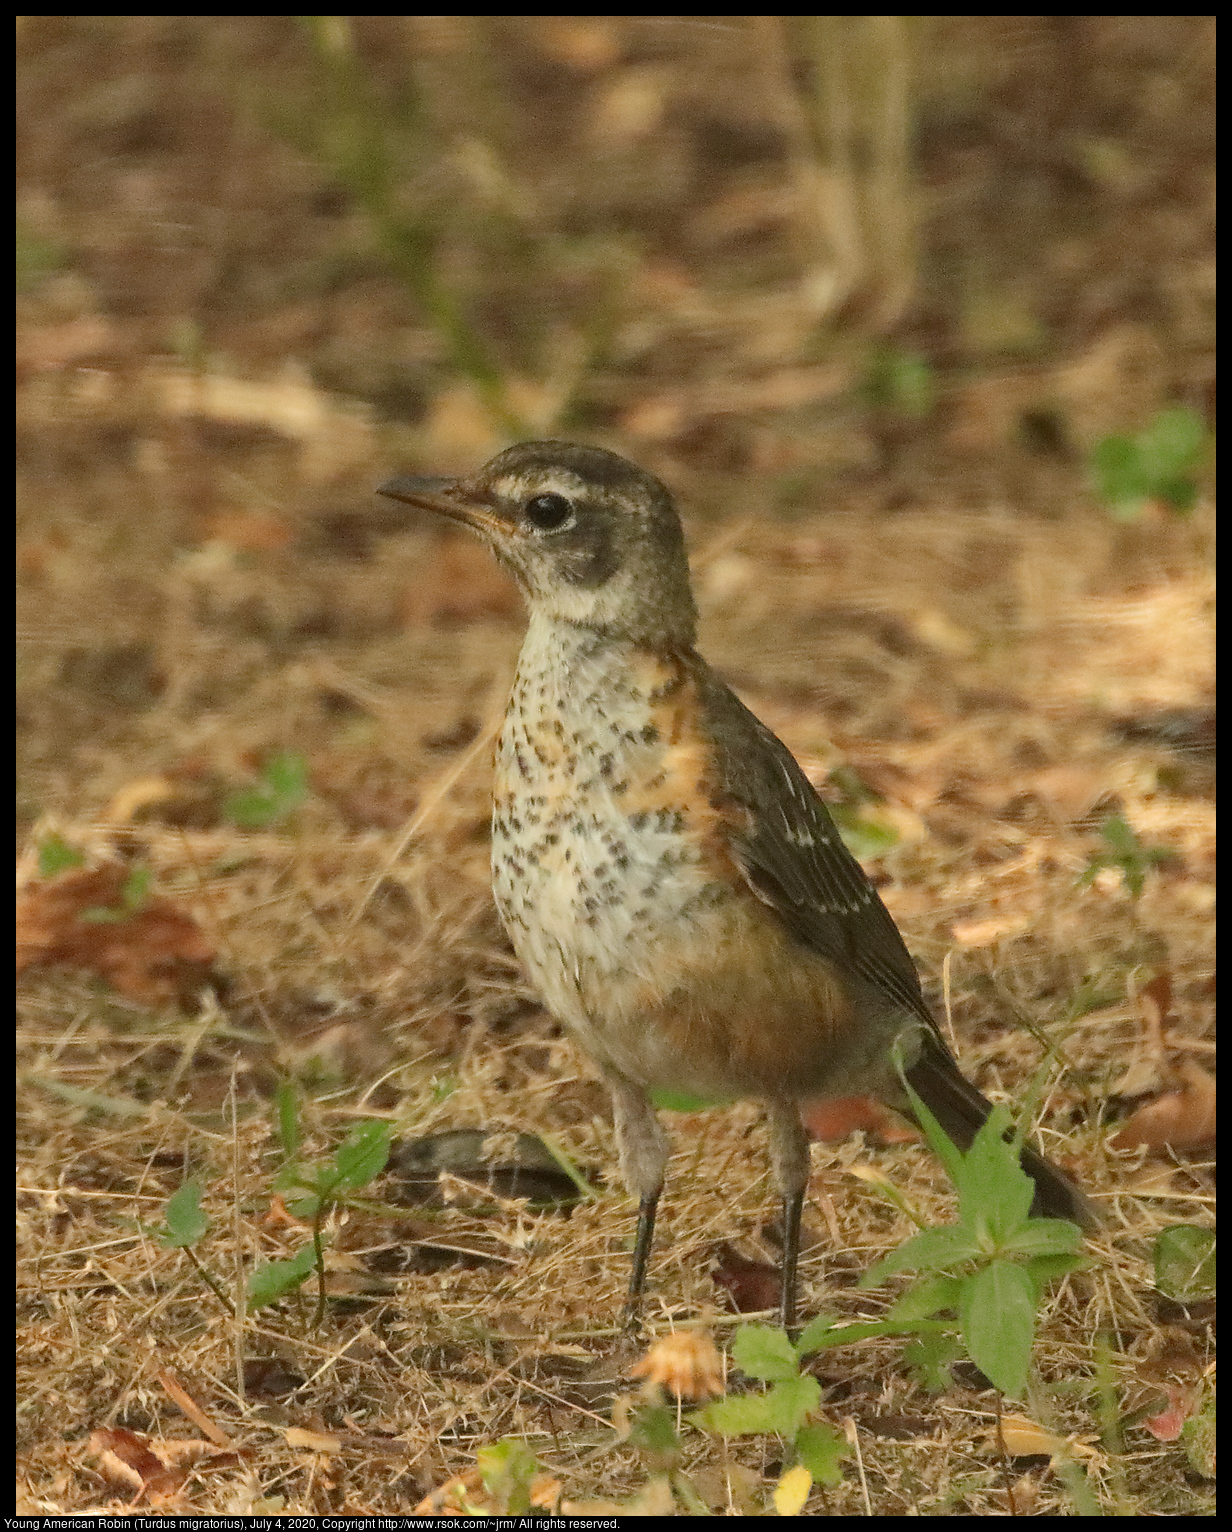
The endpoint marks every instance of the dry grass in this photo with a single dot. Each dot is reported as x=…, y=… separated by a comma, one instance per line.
x=203, y=584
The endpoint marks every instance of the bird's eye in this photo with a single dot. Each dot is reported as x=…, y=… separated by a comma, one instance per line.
x=548, y=512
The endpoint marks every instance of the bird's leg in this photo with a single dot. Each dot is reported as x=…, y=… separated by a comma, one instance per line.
x=646, y=1210
x=643, y=1157
x=789, y=1150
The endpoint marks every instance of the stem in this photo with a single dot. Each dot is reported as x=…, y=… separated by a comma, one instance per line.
x=211, y=1282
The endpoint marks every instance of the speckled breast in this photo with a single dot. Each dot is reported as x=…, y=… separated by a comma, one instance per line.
x=599, y=830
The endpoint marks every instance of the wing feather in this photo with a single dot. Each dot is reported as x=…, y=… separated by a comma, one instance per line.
x=793, y=858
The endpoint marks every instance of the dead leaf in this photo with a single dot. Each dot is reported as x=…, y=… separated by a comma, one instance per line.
x=249, y=531
x=1167, y=1425
x=125, y=1457
x=312, y=1441
x=1182, y=1119
x=983, y=933
x=1020, y=1437
x=753, y=1286
x=153, y=954
x=137, y=795
x=833, y=1118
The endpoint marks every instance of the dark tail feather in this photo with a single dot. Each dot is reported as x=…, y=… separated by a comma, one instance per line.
x=962, y=1110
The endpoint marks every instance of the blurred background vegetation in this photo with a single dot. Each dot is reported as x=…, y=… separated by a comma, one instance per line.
x=822, y=249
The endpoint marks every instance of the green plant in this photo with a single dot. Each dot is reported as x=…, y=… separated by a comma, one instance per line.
x=991, y=1267
x=187, y=1224
x=901, y=382
x=508, y=1468
x=1159, y=464
x=787, y=1405
x=1185, y=1263
x=281, y=789
x=56, y=855
x=134, y=896
x=865, y=832
x=1126, y=854
x=315, y=1193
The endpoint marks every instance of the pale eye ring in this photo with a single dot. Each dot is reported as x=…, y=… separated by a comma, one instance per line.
x=548, y=512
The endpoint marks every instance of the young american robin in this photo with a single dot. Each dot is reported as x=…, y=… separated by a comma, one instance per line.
x=670, y=880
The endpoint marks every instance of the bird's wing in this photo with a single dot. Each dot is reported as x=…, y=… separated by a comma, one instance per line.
x=793, y=858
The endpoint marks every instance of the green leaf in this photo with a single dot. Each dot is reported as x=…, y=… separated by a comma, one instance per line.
x=306, y=1206
x=1045, y=1237
x=929, y=1358
x=1047, y=1268
x=507, y=1469
x=940, y=1142
x=282, y=789
x=272, y=1281
x=997, y=1317
x=119, y=1106
x=761, y=1352
x=929, y=1250
x=737, y=1415
x=364, y=1153
x=1185, y=1262
x=286, y=1105
x=1198, y=1437
x=781, y=1409
x=683, y=1101
x=923, y=1299
x=994, y=1192
x=791, y=1400
x=136, y=890
x=1118, y=474
x=815, y=1333
x=1181, y=495
x=901, y=381
x=653, y=1432
x=1173, y=443
x=864, y=834
x=186, y=1223
x=821, y=1449
x=56, y=855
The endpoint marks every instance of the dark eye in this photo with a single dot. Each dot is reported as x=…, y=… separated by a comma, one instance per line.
x=548, y=512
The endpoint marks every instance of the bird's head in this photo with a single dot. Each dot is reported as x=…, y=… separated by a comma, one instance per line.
x=590, y=538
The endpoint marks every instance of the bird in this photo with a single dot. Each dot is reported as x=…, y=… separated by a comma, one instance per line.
x=669, y=878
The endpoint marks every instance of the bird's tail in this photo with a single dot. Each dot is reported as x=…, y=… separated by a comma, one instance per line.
x=962, y=1111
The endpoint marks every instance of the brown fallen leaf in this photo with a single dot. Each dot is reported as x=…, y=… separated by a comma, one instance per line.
x=313, y=1441
x=153, y=952
x=1181, y=1119
x=753, y=1286
x=125, y=1457
x=249, y=531
x=1018, y=1436
x=833, y=1118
